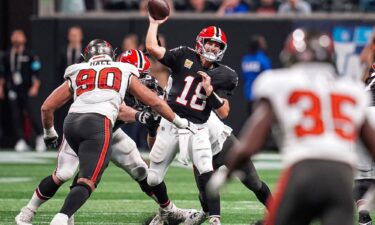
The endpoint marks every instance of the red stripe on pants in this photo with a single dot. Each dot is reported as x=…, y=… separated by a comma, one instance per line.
x=104, y=150
x=280, y=191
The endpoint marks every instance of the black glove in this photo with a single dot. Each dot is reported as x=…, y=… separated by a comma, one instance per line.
x=51, y=142
x=150, y=119
x=50, y=138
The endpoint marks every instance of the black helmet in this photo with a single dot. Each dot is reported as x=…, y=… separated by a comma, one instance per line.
x=98, y=47
x=308, y=46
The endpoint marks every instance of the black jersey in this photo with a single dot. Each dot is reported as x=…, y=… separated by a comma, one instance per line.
x=187, y=96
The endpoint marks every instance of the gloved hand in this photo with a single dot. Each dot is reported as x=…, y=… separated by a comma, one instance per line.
x=216, y=183
x=50, y=137
x=149, y=118
x=183, y=123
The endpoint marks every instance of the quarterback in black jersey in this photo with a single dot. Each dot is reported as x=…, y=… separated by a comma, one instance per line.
x=200, y=85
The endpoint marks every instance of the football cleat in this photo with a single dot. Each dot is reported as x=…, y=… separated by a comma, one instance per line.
x=364, y=218
x=71, y=220
x=60, y=219
x=157, y=220
x=25, y=217
x=195, y=217
x=173, y=213
x=214, y=221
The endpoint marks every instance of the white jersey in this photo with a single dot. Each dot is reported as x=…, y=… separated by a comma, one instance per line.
x=99, y=85
x=318, y=113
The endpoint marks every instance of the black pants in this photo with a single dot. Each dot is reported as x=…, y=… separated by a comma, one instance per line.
x=313, y=189
x=20, y=107
x=90, y=136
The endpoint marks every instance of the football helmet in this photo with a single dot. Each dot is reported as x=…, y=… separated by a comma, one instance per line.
x=215, y=34
x=308, y=46
x=98, y=47
x=153, y=84
x=138, y=59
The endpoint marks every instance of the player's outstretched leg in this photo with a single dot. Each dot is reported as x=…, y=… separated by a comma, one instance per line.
x=361, y=186
x=45, y=190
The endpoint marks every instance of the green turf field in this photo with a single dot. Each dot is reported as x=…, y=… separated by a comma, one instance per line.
x=118, y=199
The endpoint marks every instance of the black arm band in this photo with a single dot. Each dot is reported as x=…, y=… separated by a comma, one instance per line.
x=215, y=101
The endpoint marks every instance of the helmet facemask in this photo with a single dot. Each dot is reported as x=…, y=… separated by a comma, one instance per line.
x=213, y=34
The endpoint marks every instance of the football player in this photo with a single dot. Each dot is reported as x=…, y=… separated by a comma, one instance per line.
x=96, y=97
x=321, y=116
x=222, y=140
x=200, y=85
x=365, y=176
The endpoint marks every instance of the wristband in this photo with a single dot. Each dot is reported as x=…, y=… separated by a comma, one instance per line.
x=215, y=101
x=50, y=132
x=178, y=121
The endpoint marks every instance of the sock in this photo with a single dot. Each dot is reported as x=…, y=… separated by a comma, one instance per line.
x=147, y=189
x=160, y=191
x=263, y=194
x=45, y=190
x=213, y=204
x=75, y=199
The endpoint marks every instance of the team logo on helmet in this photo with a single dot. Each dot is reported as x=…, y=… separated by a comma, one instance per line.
x=136, y=58
x=98, y=47
x=308, y=46
x=215, y=34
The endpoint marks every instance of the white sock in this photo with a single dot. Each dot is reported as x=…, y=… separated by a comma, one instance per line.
x=35, y=202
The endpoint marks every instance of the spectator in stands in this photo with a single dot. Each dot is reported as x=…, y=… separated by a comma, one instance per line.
x=200, y=6
x=228, y=7
x=367, y=56
x=21, y=68
x=254, y=63
x=266, y=7
x=295, y=6
x=2, y=94
x=72, y=6
x=130, y=41
x=121, y=4
x=71, y=54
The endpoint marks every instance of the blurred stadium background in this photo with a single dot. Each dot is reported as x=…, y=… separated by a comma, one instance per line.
x=119, y=200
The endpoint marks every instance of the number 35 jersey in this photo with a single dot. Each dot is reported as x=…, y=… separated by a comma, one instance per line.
x=99, y=85
x=319, y=113
x=187, y=96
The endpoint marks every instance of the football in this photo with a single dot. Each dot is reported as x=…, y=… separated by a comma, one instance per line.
x=158, y=9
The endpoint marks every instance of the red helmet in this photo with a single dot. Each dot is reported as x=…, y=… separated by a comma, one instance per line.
x=215, y=34
x=136, y=58
x=308, y=46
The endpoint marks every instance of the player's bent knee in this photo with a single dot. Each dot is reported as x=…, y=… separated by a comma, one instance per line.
x=87, y=183
x=202, y=160
x=64, y=174
x=139, y=173
x=153, y=178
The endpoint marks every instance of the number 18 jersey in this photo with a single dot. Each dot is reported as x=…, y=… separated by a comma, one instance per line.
x=99, y=85
x=319, y=113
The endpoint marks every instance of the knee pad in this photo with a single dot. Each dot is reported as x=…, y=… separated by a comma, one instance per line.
x=202, y=160
x=64, y=174
x=153, y=178
x=139, y=173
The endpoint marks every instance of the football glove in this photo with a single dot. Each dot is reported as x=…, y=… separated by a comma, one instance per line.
x=183, y=123
x=50, y=137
